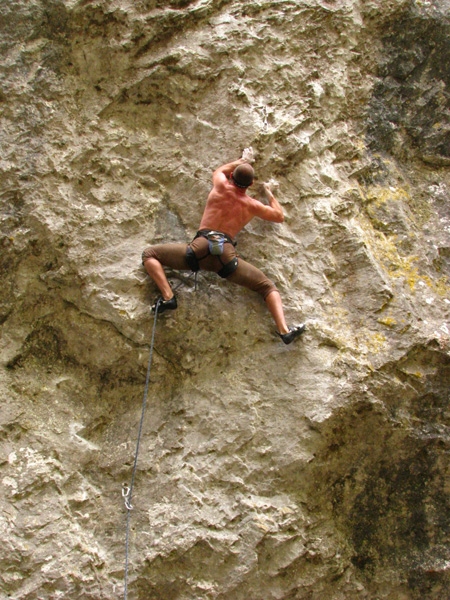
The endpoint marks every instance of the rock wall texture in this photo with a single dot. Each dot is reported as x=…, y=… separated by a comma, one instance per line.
x=316, y=471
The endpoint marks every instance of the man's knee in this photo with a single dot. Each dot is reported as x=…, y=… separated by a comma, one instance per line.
x=228, y=268
x=271, y=291
x=252, y=278
x=148, y=253
x=267, y=287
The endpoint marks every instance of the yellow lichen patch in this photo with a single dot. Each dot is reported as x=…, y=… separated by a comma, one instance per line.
x=388, y=321
x=371, y=342
x=381, y=195
x=385, y=252
x=409, y=273
x=402, y=267
x=416, y=374
x=397, y=266
x=413, y=277
x=440, y=286
x=376, y=342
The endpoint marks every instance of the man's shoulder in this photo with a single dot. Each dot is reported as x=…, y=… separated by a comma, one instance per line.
x=252, y=201
x=219, y=179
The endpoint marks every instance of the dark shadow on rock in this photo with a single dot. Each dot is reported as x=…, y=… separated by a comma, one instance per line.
x=409, y=110
x=383, y=469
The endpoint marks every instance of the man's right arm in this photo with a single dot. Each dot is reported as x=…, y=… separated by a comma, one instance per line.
x=226, y=170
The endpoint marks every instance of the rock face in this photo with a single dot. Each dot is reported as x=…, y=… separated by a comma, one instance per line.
x=310, y=472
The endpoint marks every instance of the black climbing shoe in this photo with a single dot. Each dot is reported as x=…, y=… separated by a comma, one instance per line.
x=164, y=305
x=293, y=333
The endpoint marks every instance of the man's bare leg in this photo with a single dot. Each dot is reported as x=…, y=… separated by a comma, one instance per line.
x=275, y=306
x=156, y=271
x=287, y=334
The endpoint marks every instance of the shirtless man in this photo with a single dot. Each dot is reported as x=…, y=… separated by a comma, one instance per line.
x=228, y=209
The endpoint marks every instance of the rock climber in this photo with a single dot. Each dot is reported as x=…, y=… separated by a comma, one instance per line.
x=228, y=209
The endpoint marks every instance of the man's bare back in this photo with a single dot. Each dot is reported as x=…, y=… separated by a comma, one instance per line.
x=229, y=208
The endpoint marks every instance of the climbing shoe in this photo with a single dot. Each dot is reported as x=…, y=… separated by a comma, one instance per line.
x=163, y=305
x=293, y=333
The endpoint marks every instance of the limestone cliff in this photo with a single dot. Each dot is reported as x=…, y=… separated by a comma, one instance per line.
x=317, y=471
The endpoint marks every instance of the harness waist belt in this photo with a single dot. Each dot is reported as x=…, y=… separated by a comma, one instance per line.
x=206, y=232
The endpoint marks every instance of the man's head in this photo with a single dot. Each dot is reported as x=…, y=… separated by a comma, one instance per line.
x=243, y=175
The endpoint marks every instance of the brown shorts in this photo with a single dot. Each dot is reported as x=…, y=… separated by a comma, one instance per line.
x=174, y=256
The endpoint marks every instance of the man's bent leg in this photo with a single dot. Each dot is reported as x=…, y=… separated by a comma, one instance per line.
x=156, y=272
x=252, y=278
x=155, y=258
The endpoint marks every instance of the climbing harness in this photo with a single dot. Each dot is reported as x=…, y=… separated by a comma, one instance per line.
x=229, y=268
x=216, y=241
x=127, y=490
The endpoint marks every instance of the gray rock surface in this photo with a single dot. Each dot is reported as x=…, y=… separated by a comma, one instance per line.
x=316, y=471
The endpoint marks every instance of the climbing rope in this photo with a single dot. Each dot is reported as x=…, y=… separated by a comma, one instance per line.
x=127, y=490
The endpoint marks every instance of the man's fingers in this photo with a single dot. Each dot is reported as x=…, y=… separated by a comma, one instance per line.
x=248, y=154
x=272, y=184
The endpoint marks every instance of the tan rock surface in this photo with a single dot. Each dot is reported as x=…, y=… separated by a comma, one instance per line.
x=310, y=472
